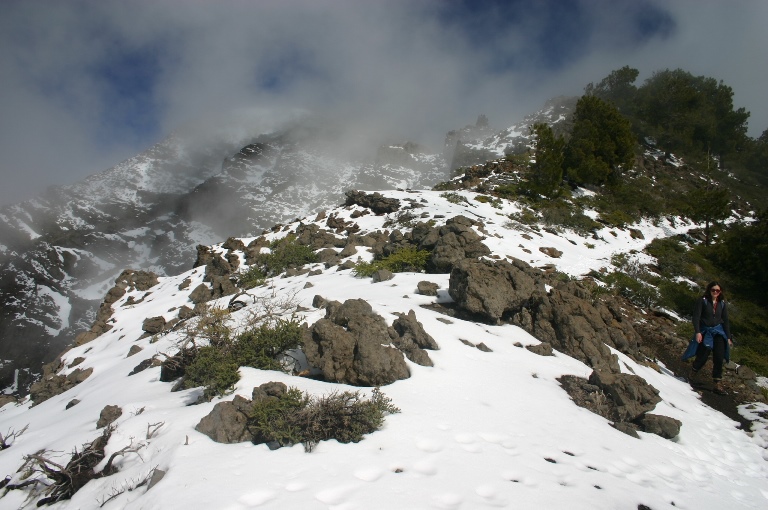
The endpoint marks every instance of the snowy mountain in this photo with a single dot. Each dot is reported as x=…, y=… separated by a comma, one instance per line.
x=494, y=419
x=61, y=252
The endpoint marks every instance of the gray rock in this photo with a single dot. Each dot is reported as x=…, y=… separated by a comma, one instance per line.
x=382, y=275
x=226, y=423
x=153, y=325
x=108, y=415
x=352, y=345
x=200, y=294
x=427, y=288
x=542, y=349
x=663, y=426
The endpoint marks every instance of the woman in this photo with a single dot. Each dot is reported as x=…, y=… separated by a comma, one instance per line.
x=713, y=334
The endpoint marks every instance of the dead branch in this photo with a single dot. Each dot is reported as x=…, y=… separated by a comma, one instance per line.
x=131, y=448
x=152, y=428
x=11, y=435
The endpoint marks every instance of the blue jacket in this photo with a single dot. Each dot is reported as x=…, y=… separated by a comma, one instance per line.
x=708, y=340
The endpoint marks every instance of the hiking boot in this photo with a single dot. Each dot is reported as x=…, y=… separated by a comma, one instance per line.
x=718, y=388
x=693, y=377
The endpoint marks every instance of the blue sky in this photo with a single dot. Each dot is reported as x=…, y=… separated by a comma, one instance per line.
x=86, y=84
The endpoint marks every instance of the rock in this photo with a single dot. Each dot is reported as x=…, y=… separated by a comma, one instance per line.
x=551, y=252
x=382, y=275
x=185, y=312
x=631, y=394
x=542, y=349
x=72, y=403
x=128, y=280
x=457, y=241
x=200, y=294
x=142, y=366
x=427, y=288
x=412, y=339
x=52, y=384
x=352, y=345
x=135, y=349
x=375, y=201
x=663, y=426
x=491, y=289
x=108, y=415
x=153, y=325
x=226, y=423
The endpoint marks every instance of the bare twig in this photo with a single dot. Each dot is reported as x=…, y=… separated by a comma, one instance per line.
x=152, y=428
x=11, y=435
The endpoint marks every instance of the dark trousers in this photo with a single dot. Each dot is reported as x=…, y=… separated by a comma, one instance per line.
x=718, y=355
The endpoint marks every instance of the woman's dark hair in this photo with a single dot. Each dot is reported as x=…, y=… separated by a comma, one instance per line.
x=708, y=292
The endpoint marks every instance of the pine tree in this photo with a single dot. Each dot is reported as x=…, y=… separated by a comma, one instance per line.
x=546, y=172
x=601, y=143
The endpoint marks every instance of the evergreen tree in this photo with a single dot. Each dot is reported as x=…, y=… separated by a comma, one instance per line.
x=617, y=88
x=546, y=172
x=601, y=143
x=691, y=114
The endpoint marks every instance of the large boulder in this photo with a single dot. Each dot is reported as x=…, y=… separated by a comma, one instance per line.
x=227, y=422
x=373, y=201
x=565, y=317
x=456, y=241
x=492, y=290
x=353, y=345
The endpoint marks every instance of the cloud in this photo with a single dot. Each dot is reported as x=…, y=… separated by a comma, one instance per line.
x=86, y=84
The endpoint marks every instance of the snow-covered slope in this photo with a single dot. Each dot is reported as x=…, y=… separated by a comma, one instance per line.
x=477, y=430
x=61, y=252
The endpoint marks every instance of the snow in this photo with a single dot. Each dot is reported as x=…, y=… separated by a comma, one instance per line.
x=477, y=430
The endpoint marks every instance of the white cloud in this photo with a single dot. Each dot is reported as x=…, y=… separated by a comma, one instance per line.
x=395, y=66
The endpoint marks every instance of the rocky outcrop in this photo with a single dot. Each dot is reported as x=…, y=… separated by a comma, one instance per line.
x=450, y=243
x=624, y=399
x=354, y=345
x=227, y=422
x=129, y=280
x=565, y=317
x=373, y=201
x=52, y=384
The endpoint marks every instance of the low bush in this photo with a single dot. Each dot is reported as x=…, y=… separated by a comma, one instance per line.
x=215, y=367
x=295, y=417
x=283, y=254
x=408, y=259
x=454, y=197
x=251, y=277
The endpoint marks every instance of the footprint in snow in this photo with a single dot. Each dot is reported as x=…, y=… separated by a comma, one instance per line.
x=257, y=498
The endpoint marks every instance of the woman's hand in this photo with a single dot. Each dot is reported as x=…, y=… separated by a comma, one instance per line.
x=698, y=337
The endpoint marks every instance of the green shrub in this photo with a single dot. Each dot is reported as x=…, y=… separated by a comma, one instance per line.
x=262, y=347
x=677, y=296
x=454, y=198
x=213, y=368
x=495, y=202
x=216, y=365
x=251, y=277
x=297, y=418
x=637, y=291
x=283, y=254
x=407, y=259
